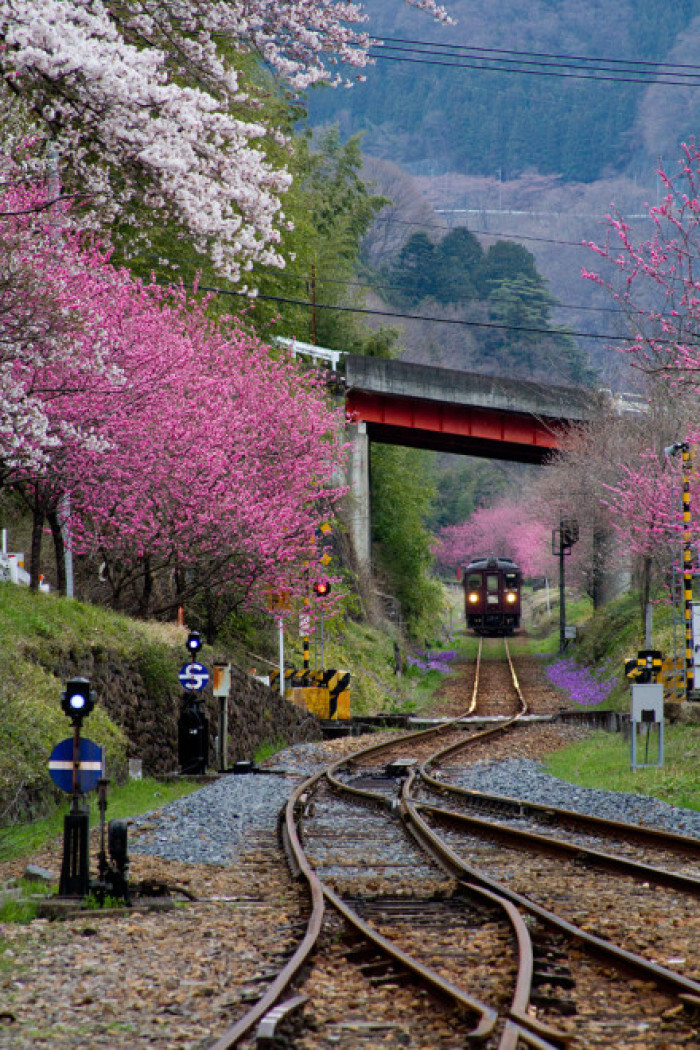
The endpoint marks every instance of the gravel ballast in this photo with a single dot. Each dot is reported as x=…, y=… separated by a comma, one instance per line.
x=525, y=779
x=221, y=821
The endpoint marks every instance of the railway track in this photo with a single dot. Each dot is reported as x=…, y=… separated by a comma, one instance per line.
x=449, y=930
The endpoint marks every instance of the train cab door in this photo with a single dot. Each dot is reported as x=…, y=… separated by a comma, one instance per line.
x=492, y=582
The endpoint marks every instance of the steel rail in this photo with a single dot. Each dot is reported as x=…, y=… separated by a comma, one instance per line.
x=287, y=974
x=475, y=688
x=547, y=844
x=466, y=873
x=487, y=1016
x=547, y=813
x=519, y=1026
x=319, y=891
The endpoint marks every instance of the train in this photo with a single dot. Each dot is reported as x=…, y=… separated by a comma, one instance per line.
x=492, y=595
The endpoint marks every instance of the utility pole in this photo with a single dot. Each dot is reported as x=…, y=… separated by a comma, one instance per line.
x=687, y=568
x=563, y=540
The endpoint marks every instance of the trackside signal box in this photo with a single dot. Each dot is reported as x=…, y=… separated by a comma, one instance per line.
x=647, y=714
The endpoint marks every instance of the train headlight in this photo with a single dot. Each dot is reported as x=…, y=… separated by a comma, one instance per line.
x=511, y=597
x=473, y=597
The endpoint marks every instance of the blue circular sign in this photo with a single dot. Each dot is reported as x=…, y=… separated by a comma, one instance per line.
x=193, y=677
x=90, y=765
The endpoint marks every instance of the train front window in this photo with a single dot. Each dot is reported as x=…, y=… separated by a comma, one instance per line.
x=511, y=580
x=474, y=581
x=492, y=584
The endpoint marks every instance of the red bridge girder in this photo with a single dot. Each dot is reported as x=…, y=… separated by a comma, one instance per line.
x=449, y=427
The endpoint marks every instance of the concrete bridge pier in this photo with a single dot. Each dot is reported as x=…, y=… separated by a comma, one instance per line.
x=358, y=497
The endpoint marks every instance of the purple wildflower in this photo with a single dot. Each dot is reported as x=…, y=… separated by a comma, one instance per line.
x=582, y=686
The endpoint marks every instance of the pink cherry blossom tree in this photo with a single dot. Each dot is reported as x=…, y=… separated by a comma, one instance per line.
x=194, y=457
x=506, y=530
x=655, y=282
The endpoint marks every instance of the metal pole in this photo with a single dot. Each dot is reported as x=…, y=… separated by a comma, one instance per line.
x=687, y=573
x=281, y=626
x=562, y=598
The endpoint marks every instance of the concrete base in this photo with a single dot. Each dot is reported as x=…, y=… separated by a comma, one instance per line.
x=73, y=907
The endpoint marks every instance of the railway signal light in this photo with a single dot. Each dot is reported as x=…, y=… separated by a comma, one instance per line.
x=194, y=642
x=77, y=699
x=322, y=588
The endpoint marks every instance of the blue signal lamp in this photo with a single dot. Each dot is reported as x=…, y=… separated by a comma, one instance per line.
x=77, y=699
x=194, y=642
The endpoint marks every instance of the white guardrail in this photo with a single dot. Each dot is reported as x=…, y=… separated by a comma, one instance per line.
x=12, y=567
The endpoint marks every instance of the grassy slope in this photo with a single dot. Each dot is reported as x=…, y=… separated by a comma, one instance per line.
x=37, y=631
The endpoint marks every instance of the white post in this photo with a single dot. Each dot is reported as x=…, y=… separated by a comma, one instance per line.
x=281, y=626
x=221, y=690
x=64, y=521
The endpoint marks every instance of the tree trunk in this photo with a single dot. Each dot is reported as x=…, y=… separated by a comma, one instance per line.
x=645, y=589
x=59, y=550
x=147, y=592
x=35, y=554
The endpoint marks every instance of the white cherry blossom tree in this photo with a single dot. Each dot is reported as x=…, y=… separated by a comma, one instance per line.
x=146, y=104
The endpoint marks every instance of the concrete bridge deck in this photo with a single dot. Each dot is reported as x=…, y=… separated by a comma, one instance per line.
x=446, y=410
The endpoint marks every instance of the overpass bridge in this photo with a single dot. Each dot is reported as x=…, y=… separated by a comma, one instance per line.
x=396, y=402
x=449, y=411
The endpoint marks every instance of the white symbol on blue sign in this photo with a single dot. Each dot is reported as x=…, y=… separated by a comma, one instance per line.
x=90, y=764
x=193, y=677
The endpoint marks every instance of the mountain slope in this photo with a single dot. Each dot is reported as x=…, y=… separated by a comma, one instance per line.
x=431, y=119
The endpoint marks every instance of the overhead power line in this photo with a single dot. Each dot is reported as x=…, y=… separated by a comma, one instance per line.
x=368, y=286
x=381, y=287
x=495, y=60
x=416, y=317
x=548, y=56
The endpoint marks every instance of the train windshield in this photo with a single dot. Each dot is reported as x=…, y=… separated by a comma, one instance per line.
x=474, y=581
x=492, y=584
x=511, y=579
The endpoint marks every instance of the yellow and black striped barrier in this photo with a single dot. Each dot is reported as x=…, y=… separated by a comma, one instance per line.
x=289, y=673
x=323, y=693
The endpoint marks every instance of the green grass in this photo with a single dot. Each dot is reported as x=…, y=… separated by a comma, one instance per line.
x=127, y=800
x=42, y=633
x=603, y=761
x=19, y=912
x=268, y=748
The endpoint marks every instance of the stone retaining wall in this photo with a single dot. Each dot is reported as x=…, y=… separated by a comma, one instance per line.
x=147, y=708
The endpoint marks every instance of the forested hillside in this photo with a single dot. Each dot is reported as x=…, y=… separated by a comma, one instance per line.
x=499, y=292
x=579, y=125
